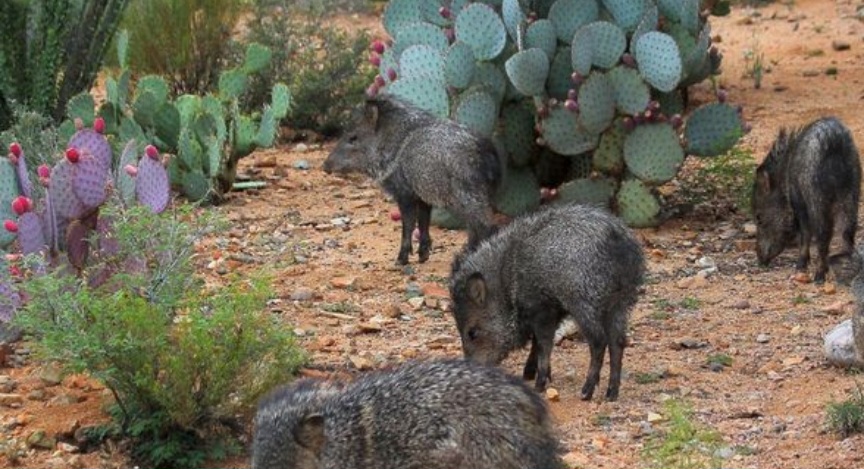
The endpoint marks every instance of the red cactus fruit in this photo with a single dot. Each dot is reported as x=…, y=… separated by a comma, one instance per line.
x=131, y=170
x=44, y=171
x=676, y=121
x=73, y=155
x=445, y=13
x=14, y=271
x=721, y=96
x=15, y=149
x=380, y=82
x=21, y=205
x=450, y=34
x=629, y=123
x=572, y=94
x=372, y=91
x=391, y=74
x=152, y=152
x=395, y=214
x=10, y=226
x=576, y=78
x=378, y=46
x=375, y=60
x=571, y=105
x=628, y=60
x=99, y=125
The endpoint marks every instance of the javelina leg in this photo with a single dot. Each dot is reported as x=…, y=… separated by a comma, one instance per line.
x=598, y=349
x=409, y=219
x=616, y=360
x=424, y=213
x=530, y=370
x=823, y=242
x=544, y=341
x=803, y=249
x=849, y=227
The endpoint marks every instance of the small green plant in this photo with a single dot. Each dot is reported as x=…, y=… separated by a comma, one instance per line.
x=340, y=307
x=847, y=417
x=184, y=365
x=601, y=420
x=648, y=378
x=660, y=315
x=754, y=62
x=721, y=359
x=801, y=299
x=683, y=443
x=727, y=177
x=690, y=302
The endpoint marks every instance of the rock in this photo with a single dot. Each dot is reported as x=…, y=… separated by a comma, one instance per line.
x=302, y=294
x=435, y=291
x=67, y=448
x=829, y=288
x=368, y=328
x=552, y=395
x=654, y=417
x=724, y=453
x=9, y=333
x=301, y=148
x=11, y=399
x=302, y=165
x=343, y=282
x=840, y=346
x=741, y=304
x=416, y=303
x=838, y=307
x=429, y=302
x=413, y=290
x=51, y=375
x=361, y=363
x=7, y=384
x=37, y=395
x=65, y=399
x=839, y=45
x=40, y=439
x=762, y=338
x=267, y=162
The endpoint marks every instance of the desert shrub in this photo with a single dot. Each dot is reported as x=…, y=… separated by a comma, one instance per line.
x=187, y=41
x=324, y=66
x=35, y=132
x=847, y=417
x=683, y=443
x=182, y=362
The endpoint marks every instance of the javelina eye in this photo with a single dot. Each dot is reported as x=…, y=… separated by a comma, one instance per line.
x=473, y=333
x=352, y=139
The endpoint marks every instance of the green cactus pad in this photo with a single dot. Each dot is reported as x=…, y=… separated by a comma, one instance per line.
x=145, y=107
x=8, y=184
x=627, y=13
x=422, y=60
x=257, y=57
x=111, y=115
x=517, y=133
x=481, y=28
x=232, y=83
x=195, y=186
x=425, y=92
x=82, y=106
x=528, y=71
x=213, y=107
x=389, y=61
x=400, y=13
x=244, y=136
x=609, y=155
x=648, y=23
x=125, y=183
x=429, y=12
x=631, y=93
x=587, y=191
x=188, y=105
x=558, y=83
x=442, y=218
x=213, y=157
x=596, y=103
x=166, y=123
x=490, y=77
x=570, y=15
x=415, y=34
x=541, y=34
x=280, y=100
x=542, y=7
x=653, y=153
x=266, y=129
x=637, y=206
x=670, y=103
x=670, y=9
x=459, y=65
x=513, y=17
x=659, y=60
x=519, y=192
x=189, y=151
x=690, y=15
x=602, y=41
x=156, y=85
x=564, y=135
x=130, y=130
x=712, y=130
x=477, y=110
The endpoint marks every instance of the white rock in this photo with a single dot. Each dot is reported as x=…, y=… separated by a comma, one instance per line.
x=840, y=346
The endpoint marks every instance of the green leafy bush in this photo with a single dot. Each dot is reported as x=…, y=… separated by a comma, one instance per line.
x=325, y=68
x=182, y=362
x=186, y=41
x=847, y=417
x=683, y=443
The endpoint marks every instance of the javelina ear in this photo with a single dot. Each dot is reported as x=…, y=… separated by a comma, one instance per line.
x=763, y=181
x=310, y=433
x=371, y=113
x=477, y=289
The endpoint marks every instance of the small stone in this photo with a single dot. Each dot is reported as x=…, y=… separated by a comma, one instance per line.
x=7, y=384
x=342, y=282
x=416, y=303
x=829, y=288
x=65, y=399
x=267, y=162
x=838, y=307
x=413, y=289
x=801, y=277
x=302, y=165
x=51, y=375
x=301, y=148
x=654, y=417
x=431, y=303
x=762, y=338
x=40, y=439
x=67, y=448
x=368, y=328
x=445, y=305
x=839, y=346
x=392, y=311
x=11, y=399
x=37, y=395
x=715, y=367
x=741, y=304
x=552, y=395
x=361, y=363
x=840, y=45
x=302, y=294
x=725, y=453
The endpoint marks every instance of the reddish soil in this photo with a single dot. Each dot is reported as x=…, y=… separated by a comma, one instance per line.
x=769, y=405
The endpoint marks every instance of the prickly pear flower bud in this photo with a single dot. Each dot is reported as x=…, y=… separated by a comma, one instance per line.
x=99, y=125
x=378, y=46
x=571, y=105
x=572, y=94
x=152, y=152
x=10, y=226
x=629, y=123
x=43, y=171
x=676, y=121
x=380, y=82
x=372, y=91
x=79, y=124
x=21, y=205
x=445, y=13
x=721, y=96
x=375, y=60
x=73, y=155
x=576, y=78
x=15, y=149
x=131, y=170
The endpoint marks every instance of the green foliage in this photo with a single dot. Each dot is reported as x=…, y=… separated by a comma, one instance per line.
x=720, y=359
x=325, y=67
x=683, y=443
x=180, y=362
x=187, y=41
x=51, y=50
x=35, y=133
x=728, y=177
x=847, y=417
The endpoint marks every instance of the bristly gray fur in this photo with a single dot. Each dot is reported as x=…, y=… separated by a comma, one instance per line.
x=519, y=284
x=422, y=161
x=808, y=184
x=420, y=415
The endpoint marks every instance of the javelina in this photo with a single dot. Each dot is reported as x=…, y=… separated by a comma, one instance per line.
x=422, y=161
x=520, y=283
x=430, y=415
x=809, y=182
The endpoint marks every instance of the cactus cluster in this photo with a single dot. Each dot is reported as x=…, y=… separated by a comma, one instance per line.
x=598, y=81
x=61, y=213
x=208, y=135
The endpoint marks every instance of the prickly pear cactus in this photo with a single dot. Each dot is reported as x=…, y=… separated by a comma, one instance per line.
x=602, y=82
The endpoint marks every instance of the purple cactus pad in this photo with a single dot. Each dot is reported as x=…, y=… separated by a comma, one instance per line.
x=151, y=184
x=89, y=179
x=66, y=204
x=31, y=237
x=90, y=141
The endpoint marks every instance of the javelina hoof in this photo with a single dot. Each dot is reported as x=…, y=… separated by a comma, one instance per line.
x=529, y=373
x=588, y=391
x=612, y=394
